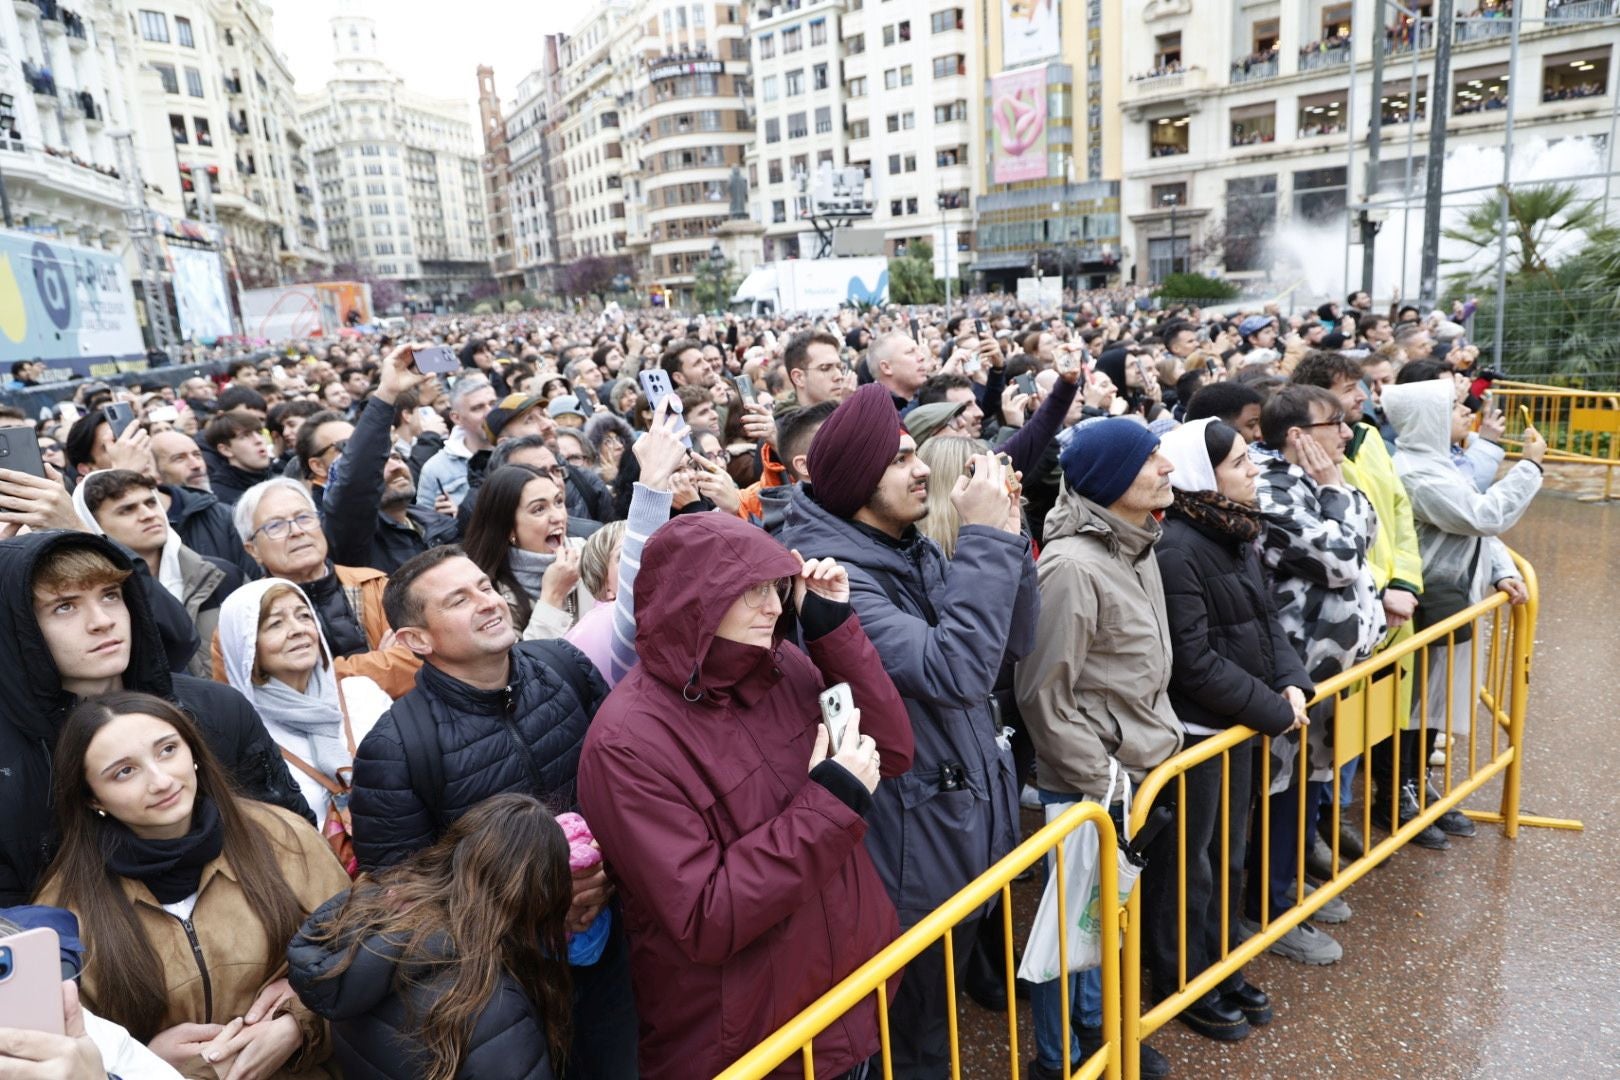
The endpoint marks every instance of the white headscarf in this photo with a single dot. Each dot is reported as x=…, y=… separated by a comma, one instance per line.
x=169, y=575
x=1186, y=450
x=317, y=712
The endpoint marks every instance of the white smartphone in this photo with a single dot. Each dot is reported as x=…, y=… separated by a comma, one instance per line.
x=837, y=705
x=31, y=981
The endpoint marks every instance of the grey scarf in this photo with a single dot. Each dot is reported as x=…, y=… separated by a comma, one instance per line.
x=317, y=713
x=528, y=567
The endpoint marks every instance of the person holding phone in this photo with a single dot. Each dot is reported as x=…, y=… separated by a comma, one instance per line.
x=730, y=886
x=186, y=893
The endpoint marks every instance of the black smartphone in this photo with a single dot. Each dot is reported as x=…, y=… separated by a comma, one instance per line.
x=1025, y=384
x=978, y=324
x=120, y=414
x=914, y=335
x=745, y=389
x=436, y=360
x=19, y=451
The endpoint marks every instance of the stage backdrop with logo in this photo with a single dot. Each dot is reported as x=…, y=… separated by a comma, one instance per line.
x=199, y=293
x=67, y=305
x=1018, y=125
x=1030, y=31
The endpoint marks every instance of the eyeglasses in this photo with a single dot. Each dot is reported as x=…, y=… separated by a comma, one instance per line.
x=279, y=528
x=719, y=457
x=757, y=595
x=1338, y=421
x=340, y=446
x=574, y=459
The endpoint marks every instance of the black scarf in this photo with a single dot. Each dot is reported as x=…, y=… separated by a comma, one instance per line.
x=172, y=869
x=1216, y=512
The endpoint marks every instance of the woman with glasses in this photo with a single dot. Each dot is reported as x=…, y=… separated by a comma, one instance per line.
x=731, y=822
x=518, y=535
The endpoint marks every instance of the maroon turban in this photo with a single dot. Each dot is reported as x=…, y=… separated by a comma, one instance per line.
x=850, y=451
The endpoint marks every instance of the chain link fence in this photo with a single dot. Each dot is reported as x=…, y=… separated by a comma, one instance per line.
x=1555, y=338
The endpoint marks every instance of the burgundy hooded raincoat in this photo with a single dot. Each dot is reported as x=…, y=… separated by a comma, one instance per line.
x=747, y=891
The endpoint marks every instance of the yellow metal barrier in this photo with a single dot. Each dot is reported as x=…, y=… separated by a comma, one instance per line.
x=1581, y=427
x=1364, y=700
x=870, y=980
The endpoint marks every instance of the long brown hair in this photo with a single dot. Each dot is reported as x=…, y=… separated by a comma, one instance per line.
x=127, y=971
x=502, y=915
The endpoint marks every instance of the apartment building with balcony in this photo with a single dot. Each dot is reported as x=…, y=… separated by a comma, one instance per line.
x=799, y=114
x=1050, y=119
x=62, y=92
x=529, y=121
x=400, y=174
x=215, y=98
x=1238, y=117
x=911, y=82
x=587, y=145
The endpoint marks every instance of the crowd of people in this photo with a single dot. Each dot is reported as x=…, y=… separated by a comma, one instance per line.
x=361, y=718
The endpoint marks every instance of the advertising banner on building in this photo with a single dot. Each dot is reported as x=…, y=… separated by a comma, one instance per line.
x=1018, y=125
x=67, y=305
x=1030, y=31
x=199, y=294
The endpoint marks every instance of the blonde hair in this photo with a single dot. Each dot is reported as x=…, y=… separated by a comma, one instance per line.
x=594, y=556
x=947, y=457
x=76, y=567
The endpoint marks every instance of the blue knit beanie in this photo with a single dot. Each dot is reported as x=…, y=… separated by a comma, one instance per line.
x=1103, y=458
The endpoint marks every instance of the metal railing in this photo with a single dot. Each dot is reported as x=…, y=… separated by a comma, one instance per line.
x=1582, y=427
x=1368, y=707
x=797, y=1036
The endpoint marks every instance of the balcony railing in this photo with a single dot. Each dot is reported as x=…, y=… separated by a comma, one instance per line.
x=233, y=86
x=1321, y=54
x=1480, y=29
x=1254, y=68
x=1581, y=10
x=1398, y=39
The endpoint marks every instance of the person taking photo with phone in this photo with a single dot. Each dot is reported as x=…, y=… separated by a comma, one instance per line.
x=732, y=823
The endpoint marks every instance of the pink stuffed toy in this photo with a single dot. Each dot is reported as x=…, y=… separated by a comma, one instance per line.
x=582, y=849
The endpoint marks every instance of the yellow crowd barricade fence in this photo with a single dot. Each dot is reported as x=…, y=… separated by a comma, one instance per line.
x=1582, y=427
x=869, y=981
x=1368, y=706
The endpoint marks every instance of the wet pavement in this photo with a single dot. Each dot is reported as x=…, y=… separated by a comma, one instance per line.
x=1495, y=960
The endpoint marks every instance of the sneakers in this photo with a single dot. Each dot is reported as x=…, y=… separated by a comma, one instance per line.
x=1304, y=944
x=1351, y=846
x=1431, y=837
x=1332, y=913
x=1452, y=822
x=1319, y=859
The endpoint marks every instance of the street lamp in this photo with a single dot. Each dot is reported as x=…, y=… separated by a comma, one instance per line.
x=1172, y=200
x=944, y=243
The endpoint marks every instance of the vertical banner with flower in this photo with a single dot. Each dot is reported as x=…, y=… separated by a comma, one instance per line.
x=1018, y=125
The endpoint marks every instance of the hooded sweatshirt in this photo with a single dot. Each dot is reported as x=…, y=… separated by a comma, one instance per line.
x=1096, y=685
x=1451, y=513
x=744, y=880
x=33, y=706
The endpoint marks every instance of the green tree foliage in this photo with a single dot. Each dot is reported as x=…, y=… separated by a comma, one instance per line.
x=714, y=285
x=911, y=276
x=1196, y=287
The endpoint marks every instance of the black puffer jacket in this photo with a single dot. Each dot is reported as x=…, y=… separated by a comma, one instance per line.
x=204, y=524
x=33, y=706
x=525, y=737
x=373, y=1037
x=1231, y=659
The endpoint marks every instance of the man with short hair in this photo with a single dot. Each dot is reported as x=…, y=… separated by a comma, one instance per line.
x=1397, y=572
x=369, y=512
x=74, y=625
x=1232, y=403
x=241, y=455
x=321, y=440
x=1415, y=341
x=899, y=365
x=1374, y=330
x=1094, y=691
x=488, y=715
x=968, y=423
x=1360, y=302
x=244, y=401
x=90, y=446
x=686, y=365
x=203, y=522
x=1257, y=332
x=1316, y=534
x=944, y=629
x=816, y=368
x=766, y=504
x=446, y=472
x=1180, y=338
x=126, y=507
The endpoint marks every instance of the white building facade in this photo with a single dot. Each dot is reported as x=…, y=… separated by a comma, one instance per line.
x=1238, y=117
x=400, y=175
x=529, y=120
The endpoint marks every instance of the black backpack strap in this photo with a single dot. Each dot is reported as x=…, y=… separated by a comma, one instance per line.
x=564, y=661
x=420, y=741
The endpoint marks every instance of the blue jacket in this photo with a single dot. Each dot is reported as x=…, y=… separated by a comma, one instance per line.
x=942, y=629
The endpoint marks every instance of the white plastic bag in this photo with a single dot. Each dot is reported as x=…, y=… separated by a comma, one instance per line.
x=1082, y=897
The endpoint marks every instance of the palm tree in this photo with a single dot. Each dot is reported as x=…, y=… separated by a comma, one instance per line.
x=1537, y=219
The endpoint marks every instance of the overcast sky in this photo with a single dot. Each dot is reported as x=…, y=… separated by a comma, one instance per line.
x=436, y=47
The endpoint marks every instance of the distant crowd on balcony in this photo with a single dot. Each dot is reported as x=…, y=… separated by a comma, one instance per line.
x=1573, y=91
x=70, y=156
x=1168, y=67
x=1254, y=60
